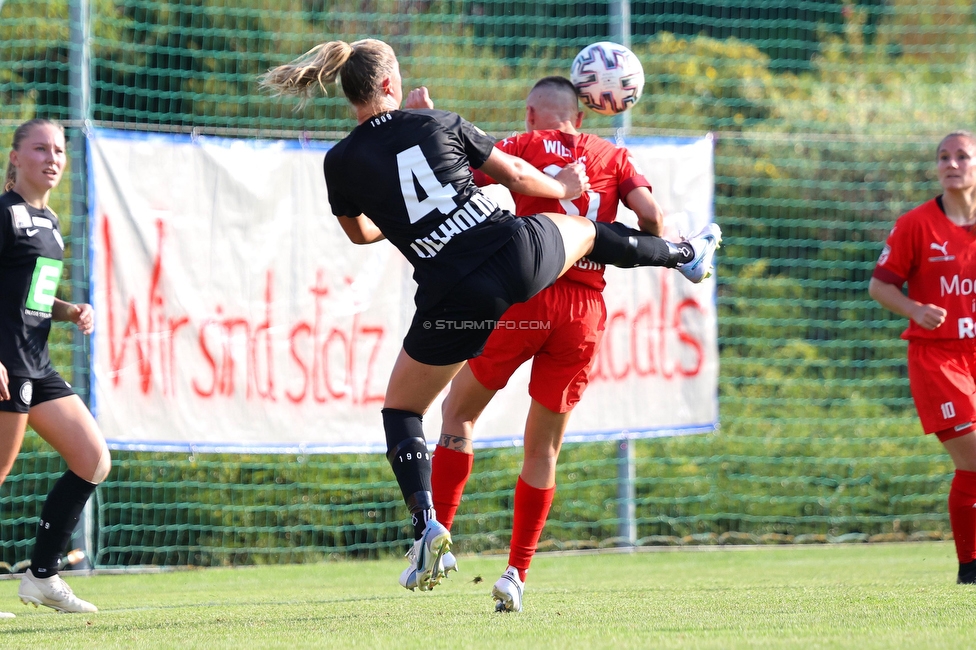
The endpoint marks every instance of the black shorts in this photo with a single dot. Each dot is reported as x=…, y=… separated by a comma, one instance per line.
x=456, y=328
x=26, y=392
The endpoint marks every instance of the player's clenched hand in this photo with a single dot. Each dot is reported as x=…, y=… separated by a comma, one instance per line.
x=419, y=98
x=929, y=316
x=574, y=179
x=83, y=315
x=4, y=384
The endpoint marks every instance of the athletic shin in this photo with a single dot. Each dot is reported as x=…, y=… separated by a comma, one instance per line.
x=625, y=247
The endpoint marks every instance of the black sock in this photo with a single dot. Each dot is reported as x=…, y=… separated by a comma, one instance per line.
x=967, y=573
x=685, y=252
x=410, y=460
x=59, y=517
x=625, y=247
x=420, y=520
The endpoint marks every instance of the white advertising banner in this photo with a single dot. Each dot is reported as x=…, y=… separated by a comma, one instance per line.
x=232, y=314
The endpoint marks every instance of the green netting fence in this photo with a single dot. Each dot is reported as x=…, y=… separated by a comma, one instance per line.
x=825, y=116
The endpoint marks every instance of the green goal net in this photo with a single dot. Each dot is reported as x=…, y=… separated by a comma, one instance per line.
x=825, y=116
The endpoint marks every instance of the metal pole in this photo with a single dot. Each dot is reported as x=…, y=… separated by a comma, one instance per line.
x=626, y=473
x=620, y=33
x=626, y=492
x=78, y=77
x=78, y=113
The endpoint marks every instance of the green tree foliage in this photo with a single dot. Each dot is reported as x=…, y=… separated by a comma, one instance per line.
x=704, y=84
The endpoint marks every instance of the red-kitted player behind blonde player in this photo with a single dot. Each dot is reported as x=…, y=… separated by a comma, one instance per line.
x=405, y=176
x=31, y=390
x=562, y=353
x=933, y=249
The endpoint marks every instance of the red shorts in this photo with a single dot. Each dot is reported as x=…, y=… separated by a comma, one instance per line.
x=561, y=327
x=942, y=376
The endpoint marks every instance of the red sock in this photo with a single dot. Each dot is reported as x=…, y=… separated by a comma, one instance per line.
x=529, y=517
x=449, y=472
x=962, y=514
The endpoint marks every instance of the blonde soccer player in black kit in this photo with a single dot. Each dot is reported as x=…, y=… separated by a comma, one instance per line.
x=31, y=390
x=405, y=176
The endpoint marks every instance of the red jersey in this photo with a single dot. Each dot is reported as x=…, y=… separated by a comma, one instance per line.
x=938, y=260
x=612, y=174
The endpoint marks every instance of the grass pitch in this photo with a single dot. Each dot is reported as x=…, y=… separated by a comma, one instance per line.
x=863, y=596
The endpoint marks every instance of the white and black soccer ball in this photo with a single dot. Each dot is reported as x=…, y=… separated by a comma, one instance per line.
x=608, y=77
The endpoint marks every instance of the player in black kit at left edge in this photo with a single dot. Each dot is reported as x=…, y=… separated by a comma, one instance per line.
x=31, y=390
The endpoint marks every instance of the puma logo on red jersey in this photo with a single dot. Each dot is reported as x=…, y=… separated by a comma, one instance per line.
x=942, y=248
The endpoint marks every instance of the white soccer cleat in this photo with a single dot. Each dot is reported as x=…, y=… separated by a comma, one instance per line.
x=507, y=591
x=427, y=558
x=704, y=243
x=408, y=579
x=51, y=592
x=7, y=615
x=450, y=563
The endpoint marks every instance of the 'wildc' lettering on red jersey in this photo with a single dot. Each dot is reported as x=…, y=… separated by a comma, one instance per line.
x=557, y=148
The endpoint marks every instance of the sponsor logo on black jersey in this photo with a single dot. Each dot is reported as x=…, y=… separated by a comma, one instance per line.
x=22, y=218
x=44, y=286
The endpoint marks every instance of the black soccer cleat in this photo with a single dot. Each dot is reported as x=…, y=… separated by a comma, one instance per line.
x=967, y=573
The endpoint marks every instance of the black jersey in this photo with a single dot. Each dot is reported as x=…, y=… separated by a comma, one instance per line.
x=410, y=173
x=31, y=254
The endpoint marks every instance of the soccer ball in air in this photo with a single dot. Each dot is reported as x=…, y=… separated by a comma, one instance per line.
x=608, y=77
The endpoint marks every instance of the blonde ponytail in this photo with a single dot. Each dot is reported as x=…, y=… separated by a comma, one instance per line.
x=11, y=178
x=319, y=66
x=359, y=67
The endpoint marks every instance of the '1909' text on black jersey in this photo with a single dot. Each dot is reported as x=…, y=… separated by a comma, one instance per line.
x=31, y=260
x=410, y=173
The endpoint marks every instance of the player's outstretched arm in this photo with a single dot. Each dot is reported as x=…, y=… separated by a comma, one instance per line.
x=650, y=216
x=361, y=229
x=521, y=177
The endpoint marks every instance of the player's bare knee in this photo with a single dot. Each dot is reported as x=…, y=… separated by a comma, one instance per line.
x=102, y=467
